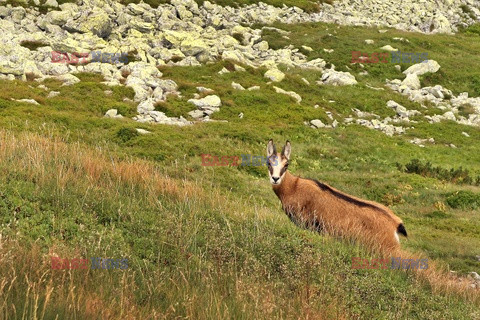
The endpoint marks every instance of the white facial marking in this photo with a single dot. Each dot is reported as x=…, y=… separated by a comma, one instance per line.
x=277, y=165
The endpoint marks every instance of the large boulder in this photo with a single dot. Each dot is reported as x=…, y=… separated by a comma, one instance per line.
x=412, y=81
x=422, y=68
x=337, y=78
x=274, y=75
x=192, y=47
x=96, y=21
x=208, y=105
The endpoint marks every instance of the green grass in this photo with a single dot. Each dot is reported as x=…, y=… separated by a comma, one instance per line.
x=190, y=255
x=212, y=242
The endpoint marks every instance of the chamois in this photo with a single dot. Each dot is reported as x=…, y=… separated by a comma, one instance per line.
x=317, y=205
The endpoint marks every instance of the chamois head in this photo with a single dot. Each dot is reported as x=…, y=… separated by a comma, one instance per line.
x=277, y=163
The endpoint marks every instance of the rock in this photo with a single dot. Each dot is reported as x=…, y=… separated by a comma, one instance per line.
x=139, y=87
x=32, y=101
x=468, y=136
x=437, y=92
x=223, y=71
x=274, y=75
x=113, y=113
x=204, y=90
x=292, y=94
x=441, y=24
x=369, y=41
x=412, y=81
x=52, y=94
x=196, y=114
x=337, y=78
x=142, y=131
x=192, y=47
x=58, y=18
x=236, y=56
x=422, y=68
x=209, y=104
x=238, y=68
x=388, y=48
x=449, y=116
x=51, y=3
x=95, y=20
x=167, y=85
x=68, y=79
x=307, y=48
x=146, y=106
x=261, y=46
x=158, y=94
x=317, y=123
x=237, y=86
x=240, y=115
x=254, y=88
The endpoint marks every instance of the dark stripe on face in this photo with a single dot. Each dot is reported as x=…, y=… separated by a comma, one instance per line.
x=271, y=162
x=284, y=169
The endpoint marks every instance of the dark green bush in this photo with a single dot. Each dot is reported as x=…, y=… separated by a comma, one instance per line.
x=457, y=176
x=464, y=200
x=126, y=134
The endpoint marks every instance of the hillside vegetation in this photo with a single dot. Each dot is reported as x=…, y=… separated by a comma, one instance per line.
x=213, y=242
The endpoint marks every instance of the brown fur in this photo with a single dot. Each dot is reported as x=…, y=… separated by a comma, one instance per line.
x=317, y=205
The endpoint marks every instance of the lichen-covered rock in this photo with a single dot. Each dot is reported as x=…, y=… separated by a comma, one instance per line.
x=422, y=68
x=274, y=75
x=337, y=78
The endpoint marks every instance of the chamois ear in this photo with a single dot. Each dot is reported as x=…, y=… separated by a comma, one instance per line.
x=271, y=150
x=287, y=149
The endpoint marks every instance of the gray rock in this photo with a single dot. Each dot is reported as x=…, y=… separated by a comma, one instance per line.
x=68, y=79
x=274, y=75
x=32, y=101
x=142, y=131
x=389, y=48
x=337, y=78
x=422, y=68
x=237, y=86
x=210, y=103
x=196, y=114
x=113, y=113
x=146, y=106
x=317, y=123
x=52, y=94
x=292, y=94
x=51, y=3
x=412, y=81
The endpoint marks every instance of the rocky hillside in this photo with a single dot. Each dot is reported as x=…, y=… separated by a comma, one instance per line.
x=185, y=34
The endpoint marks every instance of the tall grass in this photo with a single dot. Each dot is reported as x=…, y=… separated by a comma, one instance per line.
x=193, y=252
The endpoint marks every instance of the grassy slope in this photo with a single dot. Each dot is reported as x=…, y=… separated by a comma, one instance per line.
x=228, y=250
